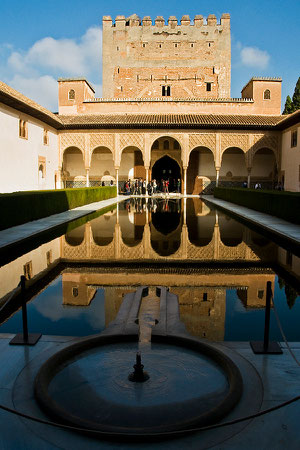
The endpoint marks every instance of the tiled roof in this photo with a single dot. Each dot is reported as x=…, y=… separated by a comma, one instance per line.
x=289, y=120
x=169, y=121
x=15, y=99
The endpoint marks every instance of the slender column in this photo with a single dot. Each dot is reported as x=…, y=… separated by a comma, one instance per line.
x=87, y=177
x=184, y=181
x=117, y=179
x=184, y=211
x=249, y=177
x=217, y=176
x=147, y=177
x=117, y=212
x=217, y=218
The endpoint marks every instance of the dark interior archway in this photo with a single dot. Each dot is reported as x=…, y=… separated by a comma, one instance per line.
x=166, y=168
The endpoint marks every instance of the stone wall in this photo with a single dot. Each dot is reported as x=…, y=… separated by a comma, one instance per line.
x=139, y=58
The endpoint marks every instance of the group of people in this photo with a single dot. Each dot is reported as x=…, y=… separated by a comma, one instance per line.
x=140, y=187
x=277, y=187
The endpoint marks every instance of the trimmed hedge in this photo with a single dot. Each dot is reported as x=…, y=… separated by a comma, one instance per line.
x=285, y=205
x=21, y=207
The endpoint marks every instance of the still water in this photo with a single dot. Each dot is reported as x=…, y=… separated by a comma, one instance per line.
x=217, y=266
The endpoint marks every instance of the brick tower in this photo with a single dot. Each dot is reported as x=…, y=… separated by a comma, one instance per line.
x=186, y=60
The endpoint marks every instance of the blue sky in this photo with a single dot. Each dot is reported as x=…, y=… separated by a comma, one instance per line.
x=43, y=40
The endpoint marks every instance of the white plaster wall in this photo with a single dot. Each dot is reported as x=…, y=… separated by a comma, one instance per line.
x=234, y=164
x=74, y=164
x=263, y=165
x=206, y=166
x=290, y=161
x=100, y=163
x=19, y=157
x=127, y=164
x=11, y=272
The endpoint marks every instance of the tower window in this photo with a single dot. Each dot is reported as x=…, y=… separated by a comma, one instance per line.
x=166, y=145
x=49, y=257
x=192, y=45
x=118, y=49
x=166, y=91
x=118, y=69
x=267, y=94
x=294, y=138
x=23, y=129
x=46, y=137
x=71, y=94
x=208, y=87
x=175, y=45
x=155, y=145
x=28, y=270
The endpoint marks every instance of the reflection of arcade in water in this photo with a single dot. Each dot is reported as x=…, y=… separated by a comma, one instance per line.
x=180, y=229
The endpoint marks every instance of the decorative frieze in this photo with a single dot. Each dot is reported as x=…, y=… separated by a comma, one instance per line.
x=132, y=140
x=102, y=140
x=72, y=140
x=202, y=140
x=234, y=140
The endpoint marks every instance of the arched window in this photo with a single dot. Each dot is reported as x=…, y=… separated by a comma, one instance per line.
x=176, y=145
x=166, y=91
x=155, y=145
x=71, y=94
x=267, y=94
x=166, y=145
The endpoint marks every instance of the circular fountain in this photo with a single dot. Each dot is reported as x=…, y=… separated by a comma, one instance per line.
x=188, y=384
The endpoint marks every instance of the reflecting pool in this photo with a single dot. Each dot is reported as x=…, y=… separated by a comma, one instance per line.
x=217, y=266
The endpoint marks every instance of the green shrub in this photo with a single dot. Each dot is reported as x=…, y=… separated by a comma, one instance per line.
x=285, y=205
x=22, y=207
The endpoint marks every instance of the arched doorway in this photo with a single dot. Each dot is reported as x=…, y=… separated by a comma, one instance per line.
x=264, y=168
x=233, y=168
x=102, y=167
x=166, y=168
x=201, y=172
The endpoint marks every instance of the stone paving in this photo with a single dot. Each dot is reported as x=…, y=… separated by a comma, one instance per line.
x=16, y=234
x=277, y=430
x=278, y=226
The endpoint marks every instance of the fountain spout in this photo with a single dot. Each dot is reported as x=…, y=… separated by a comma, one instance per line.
x=139, y=375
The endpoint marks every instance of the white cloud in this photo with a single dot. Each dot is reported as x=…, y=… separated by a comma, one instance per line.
x=43, y=89
x=254, y=57
x=65, y=55
x=34, y=72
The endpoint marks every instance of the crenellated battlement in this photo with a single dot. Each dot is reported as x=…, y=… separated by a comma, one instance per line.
x=135, y=21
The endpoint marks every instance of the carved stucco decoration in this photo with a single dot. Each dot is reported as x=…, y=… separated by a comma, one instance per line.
x=234, y=140
x=157, y=154
x=132, y=140
x=178, y=137
x=194, y=252
x=265, y=141
x=207, y=140
x=102, y=140
x=72, y=140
